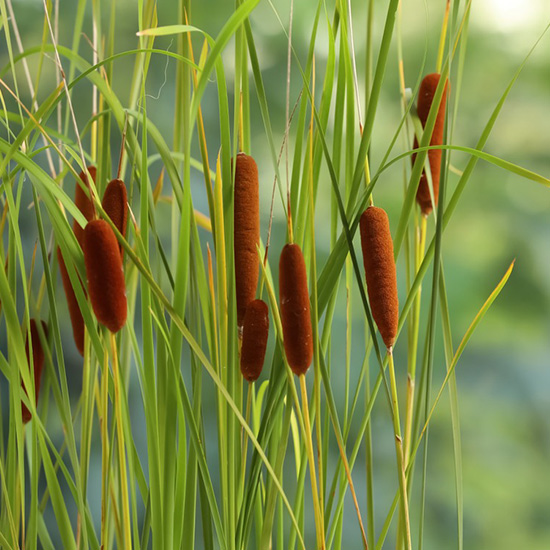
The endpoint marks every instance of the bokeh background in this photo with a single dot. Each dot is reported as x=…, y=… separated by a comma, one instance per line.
x=504, y=375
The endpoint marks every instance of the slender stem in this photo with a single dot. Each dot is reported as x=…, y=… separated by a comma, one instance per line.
x=399, y=453
x=319, y=527
x=121, y=451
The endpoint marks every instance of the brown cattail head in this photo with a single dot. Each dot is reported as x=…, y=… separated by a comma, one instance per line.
x=77, y=320
x=255, y=334
x=425, y=99
x=115, y=204
x=377, y=246
x=246, y=232
x=38, y=364
x=106, y=285
x=83, y=203
x=294, y=303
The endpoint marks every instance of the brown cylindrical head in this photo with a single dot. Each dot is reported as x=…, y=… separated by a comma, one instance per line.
x=37, y=363
x=377, y=246
x=75, y=314
x=106, y=285
x=246, y=232
x=255, y=335
x=115, y=204
x=83, y=202
x=425, y=99
x=294, y=304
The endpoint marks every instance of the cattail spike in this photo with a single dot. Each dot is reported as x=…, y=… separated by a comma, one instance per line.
x=106, y=285
x=38, y=364
x=83, y=202
x=377, y=246
x=255, y=335
x=246, y=232
x=294, y=304
x=77, y=321
x=425, y=99
x=115, y=204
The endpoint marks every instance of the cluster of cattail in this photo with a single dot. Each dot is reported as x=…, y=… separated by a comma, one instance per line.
x=102, y=257
x=37, y=363
x=425, y=99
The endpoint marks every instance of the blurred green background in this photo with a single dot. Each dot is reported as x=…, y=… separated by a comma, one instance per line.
x=504, y=375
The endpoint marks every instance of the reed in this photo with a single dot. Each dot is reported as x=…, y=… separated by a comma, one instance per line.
x=425, y=100
x=254, y=344
x=84, y=202
x=295, y=309
x=37, y=363
x=115, y=204
x=377, y=246
x=246, y=232
x=106, y=285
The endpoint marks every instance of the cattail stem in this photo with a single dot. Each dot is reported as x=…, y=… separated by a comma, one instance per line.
x=444, y=27
x=104, y=424
x=404, y=502
x=319, y=523
x=121, y=451
x=244, y=448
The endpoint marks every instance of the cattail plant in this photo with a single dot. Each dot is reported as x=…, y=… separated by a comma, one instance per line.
x=83, y=202
x=246, y=232
x=294, y=303
x=377, y=246
x=77, y=321
x=425, y=99
x=255, y=334
x=106, y=285
x=115, y=204
x=37, y=363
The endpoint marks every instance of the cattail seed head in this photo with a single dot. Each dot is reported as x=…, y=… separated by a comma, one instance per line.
x=255, y=334
x=246, y=232
x=294, y=304
x=115, y=204
x=38, y=364
x=377, y=246
x=106, y=285
x=75, y=314
x=425, y=99
x=83, y=203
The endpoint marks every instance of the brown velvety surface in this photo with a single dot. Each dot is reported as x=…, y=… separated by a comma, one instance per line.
x=294, y=304
x=106, y=285
x=83, y=203
x=38, y=364
x=115, y=204
x=255, y=334
x=425, y=99
x=75, y=314
x=377, y=246
x=246, y=232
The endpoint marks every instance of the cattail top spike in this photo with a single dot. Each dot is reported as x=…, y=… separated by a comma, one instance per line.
x=38, y=364
x=255, y=335
x=425, y=99
x=115, y=204
x=106, y=285
x=295, y=309
x=377, y=246
x=83, y=203
x=246, y=232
